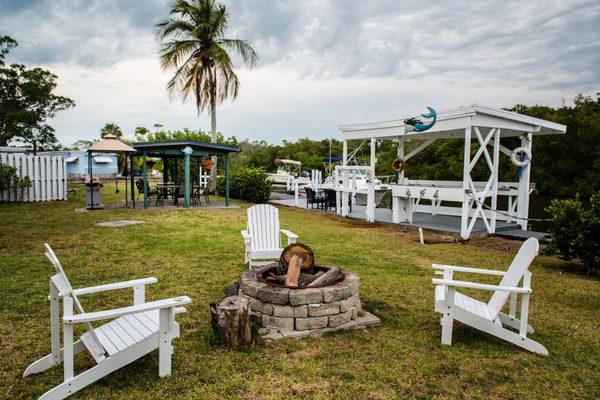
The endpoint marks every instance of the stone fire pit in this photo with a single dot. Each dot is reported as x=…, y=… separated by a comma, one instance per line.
x=304, y=311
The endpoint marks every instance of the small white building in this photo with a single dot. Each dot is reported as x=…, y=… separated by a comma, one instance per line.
x=488, y=126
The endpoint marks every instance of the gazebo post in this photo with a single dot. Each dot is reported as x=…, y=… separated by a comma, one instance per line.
x=186, y=197
x=371, y=188
x=132, y=176
x=400, y=155
x=227, y=180
x=90, y=162
x=165, y=169
x=126, y=190
x=199, y=178
x=343, y=209
x=524, y=177
x=466, y=204
x=145, y=177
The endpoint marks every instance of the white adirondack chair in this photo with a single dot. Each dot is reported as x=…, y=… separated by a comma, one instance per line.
x=488, y=317
x=262, y=235
x=131, y=333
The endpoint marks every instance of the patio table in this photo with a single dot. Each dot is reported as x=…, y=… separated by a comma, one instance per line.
x=165, y=190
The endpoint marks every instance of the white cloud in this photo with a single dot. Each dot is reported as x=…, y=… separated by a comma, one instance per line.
x=322, y=62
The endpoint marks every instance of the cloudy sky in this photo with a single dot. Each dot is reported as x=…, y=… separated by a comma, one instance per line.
x=322, y=63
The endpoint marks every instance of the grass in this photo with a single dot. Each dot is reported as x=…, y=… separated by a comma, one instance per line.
x=199, y=252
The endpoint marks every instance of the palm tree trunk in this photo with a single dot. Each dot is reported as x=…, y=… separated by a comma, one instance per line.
x=213, y=128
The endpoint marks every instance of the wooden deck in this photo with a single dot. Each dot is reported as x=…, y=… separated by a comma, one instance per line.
x=440, y=223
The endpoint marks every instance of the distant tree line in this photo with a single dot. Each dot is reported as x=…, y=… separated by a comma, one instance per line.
x=563, y=165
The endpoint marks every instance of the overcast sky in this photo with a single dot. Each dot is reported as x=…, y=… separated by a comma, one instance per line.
x=322, y=63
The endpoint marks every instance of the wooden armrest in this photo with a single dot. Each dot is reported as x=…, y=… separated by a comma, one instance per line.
x=289, y=234
x=246, y=235
x=173, y=302
x=114, y=286
x=468, y=269
x=481, y=286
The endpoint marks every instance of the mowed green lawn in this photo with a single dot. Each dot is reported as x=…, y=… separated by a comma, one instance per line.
x=199, y=252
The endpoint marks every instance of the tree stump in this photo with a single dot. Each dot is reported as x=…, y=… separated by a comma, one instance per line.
x=230, y=320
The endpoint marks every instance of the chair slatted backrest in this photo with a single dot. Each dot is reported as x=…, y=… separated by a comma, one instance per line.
x=529, y=249
x=309, y=194
x=64, y=286
x=263, y=225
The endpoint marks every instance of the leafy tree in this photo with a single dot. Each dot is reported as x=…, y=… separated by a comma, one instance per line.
x=570, y=163
x=111, y=129
x=195, y=46
x=6, y=43
x=82, y=144
x=140, y=133
x=27, y=101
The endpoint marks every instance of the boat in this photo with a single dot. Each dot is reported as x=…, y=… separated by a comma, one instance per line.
x=287, y=171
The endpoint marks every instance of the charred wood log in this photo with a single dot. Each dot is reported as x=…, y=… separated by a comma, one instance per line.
x=328, y=278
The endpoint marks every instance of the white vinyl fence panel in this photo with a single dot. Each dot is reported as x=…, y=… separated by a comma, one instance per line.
x=48, y=175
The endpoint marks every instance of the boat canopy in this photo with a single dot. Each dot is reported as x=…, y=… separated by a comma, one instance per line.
x=286, y=161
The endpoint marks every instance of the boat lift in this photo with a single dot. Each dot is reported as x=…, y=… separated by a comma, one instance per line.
x=466, y=199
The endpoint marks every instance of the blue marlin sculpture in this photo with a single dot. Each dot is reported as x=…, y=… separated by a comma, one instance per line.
x=417, y=125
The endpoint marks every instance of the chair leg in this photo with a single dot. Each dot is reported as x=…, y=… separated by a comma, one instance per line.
x=246, y=256
x=448, y=317
x=165, y=348
x=50, y=360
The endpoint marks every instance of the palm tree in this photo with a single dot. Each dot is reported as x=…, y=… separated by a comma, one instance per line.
x=195, y=46
x=112, y=129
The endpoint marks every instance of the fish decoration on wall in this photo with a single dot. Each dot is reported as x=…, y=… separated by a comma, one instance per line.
x=417, y=125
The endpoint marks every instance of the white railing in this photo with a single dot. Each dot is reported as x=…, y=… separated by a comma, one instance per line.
x=48, y=175
x=316, y=178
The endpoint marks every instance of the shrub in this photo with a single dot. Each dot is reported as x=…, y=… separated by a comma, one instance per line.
x=9, y=180
x=586, y=245
x=566, y=223
x=574, y=232
x=248, y=184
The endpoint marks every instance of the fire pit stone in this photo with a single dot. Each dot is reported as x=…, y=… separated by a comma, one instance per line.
x=296, y=312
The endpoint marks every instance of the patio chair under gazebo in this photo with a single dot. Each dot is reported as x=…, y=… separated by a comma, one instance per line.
x=109, y=144
x=185, y=149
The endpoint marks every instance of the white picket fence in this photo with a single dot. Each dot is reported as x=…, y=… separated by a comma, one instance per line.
x=48, y=175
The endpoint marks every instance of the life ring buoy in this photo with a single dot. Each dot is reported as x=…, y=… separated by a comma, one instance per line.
x=369, y=175
x=398, y=165
x=517, y=161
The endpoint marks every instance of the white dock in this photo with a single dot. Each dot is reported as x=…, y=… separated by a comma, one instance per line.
x=440, y=223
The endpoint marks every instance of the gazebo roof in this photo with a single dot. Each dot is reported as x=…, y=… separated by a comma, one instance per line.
x=175, y=148
x=452, y=123
x=110, y=144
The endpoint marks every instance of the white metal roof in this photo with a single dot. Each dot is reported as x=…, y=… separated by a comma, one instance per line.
x=452, y=123
x=72, y=159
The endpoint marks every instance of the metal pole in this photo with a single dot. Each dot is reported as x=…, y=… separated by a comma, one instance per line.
x=165, y=169
x=227, y=180
x=91, y=180
x=126, y=205
x=186, y=198
x=145, y=177
x=132, y=183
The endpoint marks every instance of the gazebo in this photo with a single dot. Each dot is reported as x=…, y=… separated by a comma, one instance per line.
x=109, y=144
x=186, y=150
x=485, y=125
